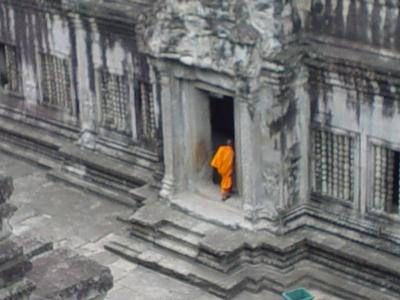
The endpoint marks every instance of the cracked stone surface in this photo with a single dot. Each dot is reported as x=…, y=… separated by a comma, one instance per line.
x=85, y=223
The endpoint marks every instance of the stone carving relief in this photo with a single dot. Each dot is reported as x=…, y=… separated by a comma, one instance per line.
x=231, y=37
x=271, y=181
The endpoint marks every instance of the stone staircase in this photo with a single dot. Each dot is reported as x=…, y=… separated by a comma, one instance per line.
x=128, y=181
x=227, y=262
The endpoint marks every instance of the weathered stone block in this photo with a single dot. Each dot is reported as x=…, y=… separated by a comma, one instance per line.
x=6, y=188
x=9, y=250
x=63, y=274
x=13, y=264
x=6, y=211
x=20, y=291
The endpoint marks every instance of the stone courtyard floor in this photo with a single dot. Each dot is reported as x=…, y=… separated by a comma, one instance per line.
x=79, y=220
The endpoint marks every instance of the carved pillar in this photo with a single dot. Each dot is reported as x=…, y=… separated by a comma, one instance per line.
x=244, y=154
x=168, y=182
x=86, y=85
x=303, y=132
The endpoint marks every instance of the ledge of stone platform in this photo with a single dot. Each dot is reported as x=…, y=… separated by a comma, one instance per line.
x=211, y=211
x=63, y=274
x=13, y=264
x=32, y=245
x=19, y=290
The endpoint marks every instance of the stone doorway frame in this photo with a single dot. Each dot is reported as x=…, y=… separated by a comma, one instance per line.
x=200, y=105
x=178, y=85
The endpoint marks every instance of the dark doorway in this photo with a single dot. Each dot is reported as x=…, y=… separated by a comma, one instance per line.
x=222, y=120
x=222, y=123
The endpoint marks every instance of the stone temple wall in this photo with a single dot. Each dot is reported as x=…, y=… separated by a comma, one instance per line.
x=311, y=80
x=352, y=87
x=359, y=101
x=83, y=72
x=367, y=22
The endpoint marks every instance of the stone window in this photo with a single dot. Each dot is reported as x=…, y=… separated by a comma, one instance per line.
x=56, y=82
x=145, y=109
x=9, y=71
x=114, y=102
x=386, y=179
x=333, y=164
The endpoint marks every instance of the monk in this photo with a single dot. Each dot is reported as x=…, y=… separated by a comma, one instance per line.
x=223, y=161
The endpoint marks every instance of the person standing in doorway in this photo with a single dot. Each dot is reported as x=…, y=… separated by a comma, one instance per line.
x=223, y=162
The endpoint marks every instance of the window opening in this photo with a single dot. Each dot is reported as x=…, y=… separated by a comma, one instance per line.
x=114, y=102
x=56, y=82
x=386, y=179
x=145, y=109
x=333, y=164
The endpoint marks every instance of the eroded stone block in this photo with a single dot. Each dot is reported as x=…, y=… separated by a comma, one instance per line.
x=63, y=274
x=6, y=188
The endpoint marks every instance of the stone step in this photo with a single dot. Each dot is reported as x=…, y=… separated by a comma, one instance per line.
x=166, y=230
x=184, y=235
x=250, y=278
x=176, y=246
x=158, y=216
x=166, y=240
x=244, y=259
x=127, y=199
x=162, y=261
x=131, y=185
x=201, y=241
x=98, y=163
x=345, y=256
x=214, y=212
x=32, y=244
x=128, y=181
x=219, y=283
x=108, y=182
x=19, y=151
x=226, y=250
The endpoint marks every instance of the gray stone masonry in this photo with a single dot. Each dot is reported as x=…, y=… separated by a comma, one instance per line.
x=59, y=212
x=13, y=263
x=225, y=260
x=63, y=274
x=59, y=274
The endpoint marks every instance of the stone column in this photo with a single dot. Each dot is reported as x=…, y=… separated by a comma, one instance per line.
x=86, y=79
x=303, y=104
x=168, y=181
x=246, y=148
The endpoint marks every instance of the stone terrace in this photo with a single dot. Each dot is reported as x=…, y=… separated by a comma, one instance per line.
x=86, y=223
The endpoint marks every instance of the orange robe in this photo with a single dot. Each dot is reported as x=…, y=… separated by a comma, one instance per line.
x=223, y=162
